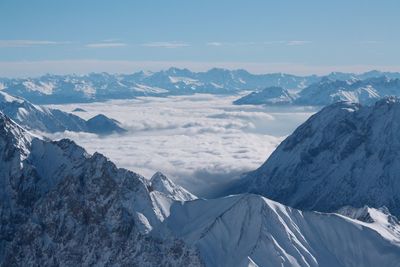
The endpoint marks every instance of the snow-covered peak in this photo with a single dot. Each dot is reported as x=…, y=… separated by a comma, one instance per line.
x=159, y=182
x=74, y=208
x=57, y=191
x=249, y=230
x=366, y=91
x=346, y=154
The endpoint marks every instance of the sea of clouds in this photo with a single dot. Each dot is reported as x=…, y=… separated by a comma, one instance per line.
x=202, y=142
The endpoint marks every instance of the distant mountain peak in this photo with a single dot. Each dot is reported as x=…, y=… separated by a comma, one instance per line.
x=269, y=96
x=101, y=124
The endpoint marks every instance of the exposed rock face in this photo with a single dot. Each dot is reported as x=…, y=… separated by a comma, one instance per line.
x=346, y=154
x=61, y=206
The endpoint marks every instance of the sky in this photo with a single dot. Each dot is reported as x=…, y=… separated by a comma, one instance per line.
x=301, y=37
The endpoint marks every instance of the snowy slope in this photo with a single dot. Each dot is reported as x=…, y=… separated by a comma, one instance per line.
x=332, y=88
x=62, y=206
x=249, y=230
x=346, y=154
x=173, y=81
x=329, y=91
x=44, y=119
x=267, y=96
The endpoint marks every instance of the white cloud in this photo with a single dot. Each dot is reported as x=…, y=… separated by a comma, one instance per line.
x=200, y=141
x=214, y=44
x=290, y=43
x=28, y=43
x=105, y=45
x=274, y=42
x=166, y=44
x=231, y=43
x=298, y=42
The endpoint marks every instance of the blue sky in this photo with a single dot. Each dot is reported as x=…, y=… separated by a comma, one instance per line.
x=295, y=36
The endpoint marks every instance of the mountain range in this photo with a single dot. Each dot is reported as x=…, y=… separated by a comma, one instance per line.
x=346, y=154
x=61, y=206
x=40, y=118
x=327, y=91
x=52, y=89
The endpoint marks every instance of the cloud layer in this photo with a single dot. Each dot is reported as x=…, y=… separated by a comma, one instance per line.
x=201, y=141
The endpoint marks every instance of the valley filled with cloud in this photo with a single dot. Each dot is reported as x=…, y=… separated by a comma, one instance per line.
x=202, y=142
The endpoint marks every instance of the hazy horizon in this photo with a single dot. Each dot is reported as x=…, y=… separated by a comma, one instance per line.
x=35, y=74
x=307, y=37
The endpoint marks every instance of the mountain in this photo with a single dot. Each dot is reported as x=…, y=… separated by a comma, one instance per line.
x=343, y=76
x=79, y=110
x=328, y=91
x=346, y=154
x=267, y=96
x=44, y=119
x=332, y=88
x=52, y=89
x=160, y=183
x=101, y=124
x=61, y=206
x=249, y=230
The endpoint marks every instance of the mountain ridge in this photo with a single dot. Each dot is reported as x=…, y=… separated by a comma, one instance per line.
x=327, y=91
x=40, y=118
x=53, y=89
x=346, y=154
x=63, y=206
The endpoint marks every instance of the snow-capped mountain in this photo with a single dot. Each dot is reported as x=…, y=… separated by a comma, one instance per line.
x=328, y=91
x=103, y=86
x=249, y=230
x=52, y=89
x=45, y=119
x=267, y=96
x=346, y=154
x=160, y=183
x=61, y=206
x=343, y=76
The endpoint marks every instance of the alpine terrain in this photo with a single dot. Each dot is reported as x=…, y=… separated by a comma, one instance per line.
x=35, y=117
x=346, y=154
x=61, y=206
